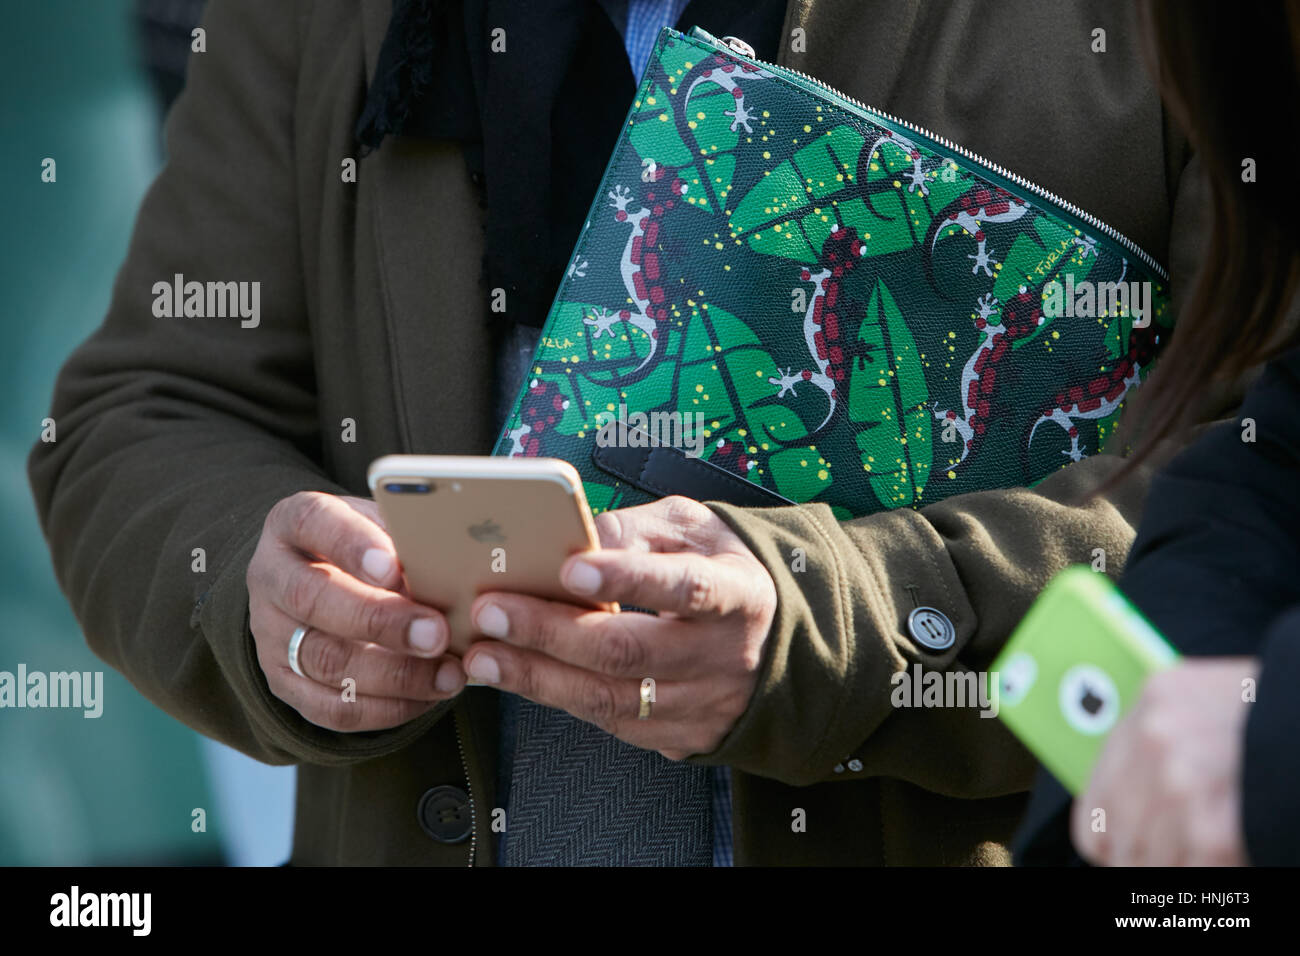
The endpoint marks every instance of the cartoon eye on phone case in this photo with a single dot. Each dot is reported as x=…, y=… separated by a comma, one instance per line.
x=1015, y=678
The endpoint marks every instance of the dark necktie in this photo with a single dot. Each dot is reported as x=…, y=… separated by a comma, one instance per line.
x=579, y=797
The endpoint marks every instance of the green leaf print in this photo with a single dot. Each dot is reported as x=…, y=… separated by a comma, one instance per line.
x=791, y=210
x=888, y=394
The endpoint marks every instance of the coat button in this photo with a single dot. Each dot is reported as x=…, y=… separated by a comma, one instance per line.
x=444, y=814
x=931, y=628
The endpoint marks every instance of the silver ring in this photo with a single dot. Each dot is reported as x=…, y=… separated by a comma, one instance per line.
x=295, y=645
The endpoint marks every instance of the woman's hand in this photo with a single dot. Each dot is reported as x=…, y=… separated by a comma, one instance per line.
x=1169, y=777
x=327, y=562
x=716, y=603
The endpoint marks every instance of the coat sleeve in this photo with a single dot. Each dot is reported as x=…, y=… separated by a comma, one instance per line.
x=823, y=709
x=826, y=690
x=174, y=434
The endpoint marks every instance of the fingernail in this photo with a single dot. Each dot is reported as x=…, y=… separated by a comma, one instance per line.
x=424, y=634
x=492, y=621
x=447, y=680
x=582, y=578
x=484, y=668
x=377, y=563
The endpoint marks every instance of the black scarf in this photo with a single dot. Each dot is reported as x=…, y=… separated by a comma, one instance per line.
x=538, y=121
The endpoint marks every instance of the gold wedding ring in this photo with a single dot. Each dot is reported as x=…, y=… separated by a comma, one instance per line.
x=647, y=698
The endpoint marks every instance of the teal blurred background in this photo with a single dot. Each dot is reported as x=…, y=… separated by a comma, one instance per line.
x=119, y=789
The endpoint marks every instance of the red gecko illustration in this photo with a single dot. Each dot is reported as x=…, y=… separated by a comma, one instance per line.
x=542, y=407
x=822, y=329
x=970, y=211
x=639, y=265
x=915, y=178
x=1102, y=395
x=640, y=269
x=1000, y=326
x=732, y=456
x=722, y=71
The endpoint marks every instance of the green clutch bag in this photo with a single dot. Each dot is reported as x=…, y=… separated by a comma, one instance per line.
x=781, y=295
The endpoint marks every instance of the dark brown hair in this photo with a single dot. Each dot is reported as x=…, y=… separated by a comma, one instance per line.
x=1229, y=74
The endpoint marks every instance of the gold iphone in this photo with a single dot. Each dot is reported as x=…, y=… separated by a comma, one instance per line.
x=465, y=525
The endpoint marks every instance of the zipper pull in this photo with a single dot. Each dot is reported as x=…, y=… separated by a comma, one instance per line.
x=740, y=46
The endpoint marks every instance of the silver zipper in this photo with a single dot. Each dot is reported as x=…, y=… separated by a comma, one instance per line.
x=743, y=49
x=469, y=787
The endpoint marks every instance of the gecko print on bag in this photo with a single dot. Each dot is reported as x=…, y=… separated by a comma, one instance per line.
x=854, y=312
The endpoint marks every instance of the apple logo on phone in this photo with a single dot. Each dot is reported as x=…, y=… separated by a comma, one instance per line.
x=487, y=532
x=1089, y=699
x=1090, y=702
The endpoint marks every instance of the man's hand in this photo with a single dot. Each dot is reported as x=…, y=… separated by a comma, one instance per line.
x=327, y=562
x=715, y=603
x=1169, y=777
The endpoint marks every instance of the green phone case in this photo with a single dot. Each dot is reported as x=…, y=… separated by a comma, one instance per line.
x=1073, y=667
